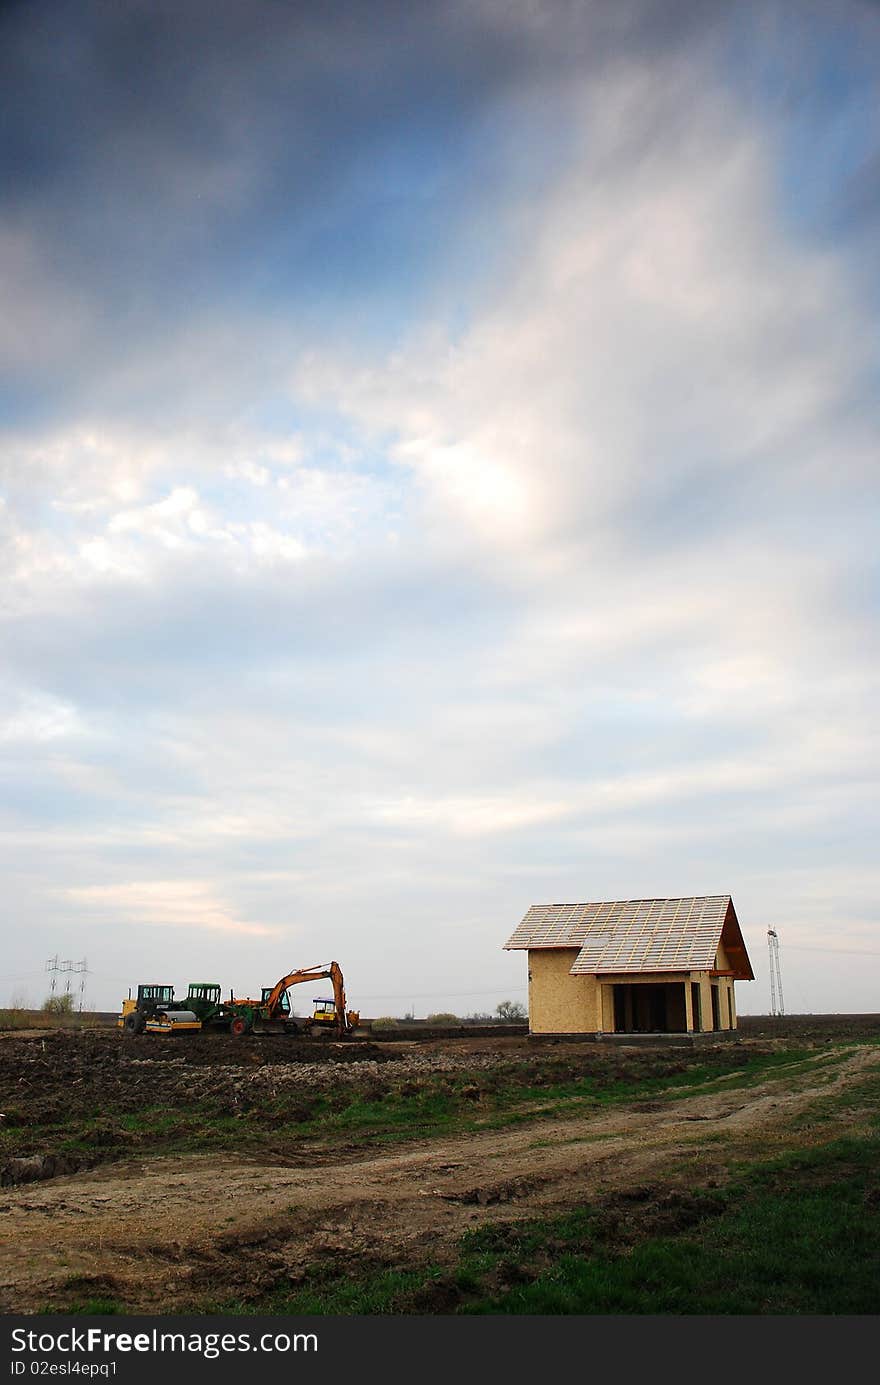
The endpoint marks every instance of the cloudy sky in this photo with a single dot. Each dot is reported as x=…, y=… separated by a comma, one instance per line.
x=438, y=474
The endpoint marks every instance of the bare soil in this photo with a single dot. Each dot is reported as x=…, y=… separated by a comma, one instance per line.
x=164, y=1232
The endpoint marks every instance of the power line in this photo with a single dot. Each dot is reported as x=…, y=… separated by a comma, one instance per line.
x=54, y=966
x=104, y=976
x=380, y=995
x=427, y=995
x=849, y=951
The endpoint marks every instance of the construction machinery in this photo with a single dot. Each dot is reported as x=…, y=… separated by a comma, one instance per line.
x=203, y=998
x=271, y=1013
x=323, y=1013
x=155, y=1011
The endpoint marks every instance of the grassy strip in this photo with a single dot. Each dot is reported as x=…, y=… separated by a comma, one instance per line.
x=799, y=1234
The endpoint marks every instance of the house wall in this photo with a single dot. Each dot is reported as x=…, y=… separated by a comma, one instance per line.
x=705, y=985
x=726, y=999
x=558, y=1002
x=607, y=1007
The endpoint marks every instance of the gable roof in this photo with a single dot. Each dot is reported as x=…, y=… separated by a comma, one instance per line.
x=639, y=935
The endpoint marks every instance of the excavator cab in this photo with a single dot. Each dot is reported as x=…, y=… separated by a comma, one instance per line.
x=324, y=1012
x=283, y=1000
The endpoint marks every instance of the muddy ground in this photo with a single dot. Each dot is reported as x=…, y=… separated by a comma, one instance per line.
x=103, y=1198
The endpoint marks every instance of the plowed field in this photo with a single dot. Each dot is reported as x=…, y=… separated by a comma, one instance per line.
x=185, y=1173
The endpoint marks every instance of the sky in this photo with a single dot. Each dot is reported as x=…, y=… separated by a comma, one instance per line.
x=438, y=475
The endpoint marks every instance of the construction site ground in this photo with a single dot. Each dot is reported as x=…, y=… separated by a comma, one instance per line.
x=200, y=1172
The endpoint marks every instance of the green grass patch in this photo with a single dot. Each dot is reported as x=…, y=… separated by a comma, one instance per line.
x=796, y=1234
x=97, y=1306
x=864, y=1093
x=323, y=1291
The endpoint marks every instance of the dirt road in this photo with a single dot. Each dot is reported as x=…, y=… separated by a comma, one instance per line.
x=157, y=1234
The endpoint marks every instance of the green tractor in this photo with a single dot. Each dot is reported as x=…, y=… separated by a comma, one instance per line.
x=203, y=998
x=261, y=1016
x=238, y=1016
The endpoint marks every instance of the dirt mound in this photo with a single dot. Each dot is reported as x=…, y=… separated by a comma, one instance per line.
x=198, y=1050
x=34, y=1168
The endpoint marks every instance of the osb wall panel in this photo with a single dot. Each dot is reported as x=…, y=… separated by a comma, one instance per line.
x=560, y=1003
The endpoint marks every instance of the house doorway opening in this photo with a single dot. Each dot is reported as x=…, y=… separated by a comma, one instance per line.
x=649, y=1009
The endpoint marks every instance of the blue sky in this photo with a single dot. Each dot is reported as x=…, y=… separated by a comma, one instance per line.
x=438, y=475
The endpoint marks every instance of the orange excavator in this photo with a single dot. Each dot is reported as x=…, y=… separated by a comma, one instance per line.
x=271, y=1014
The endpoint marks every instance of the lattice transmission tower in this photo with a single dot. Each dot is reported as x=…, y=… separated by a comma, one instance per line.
x=54, y=966
x=777, y=1004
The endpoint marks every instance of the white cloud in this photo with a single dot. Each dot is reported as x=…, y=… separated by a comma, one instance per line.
x=179, y=904
x=661, y=325
x=39, y=717
x=249, y=471
x=476, y=816
x=568, y=598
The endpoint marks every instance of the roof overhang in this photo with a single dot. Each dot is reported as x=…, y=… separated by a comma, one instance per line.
x=734, y=946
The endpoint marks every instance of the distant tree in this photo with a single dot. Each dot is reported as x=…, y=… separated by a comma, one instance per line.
x=511, y=1011
x=58, y=1004
x=442, y=1019
x=16, y=1017
x=385, y=1022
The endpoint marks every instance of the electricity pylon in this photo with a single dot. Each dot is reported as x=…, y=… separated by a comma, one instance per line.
x=54, y=966
x=777, y=1005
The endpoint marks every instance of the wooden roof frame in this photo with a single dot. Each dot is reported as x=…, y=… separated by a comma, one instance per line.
x=641, y=936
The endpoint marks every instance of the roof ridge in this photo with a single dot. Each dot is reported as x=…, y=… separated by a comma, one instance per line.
x=639, y=899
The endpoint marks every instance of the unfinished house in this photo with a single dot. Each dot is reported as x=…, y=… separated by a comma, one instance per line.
x=634, y=966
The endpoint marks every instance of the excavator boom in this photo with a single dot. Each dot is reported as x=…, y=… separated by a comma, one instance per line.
x=331, y=971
